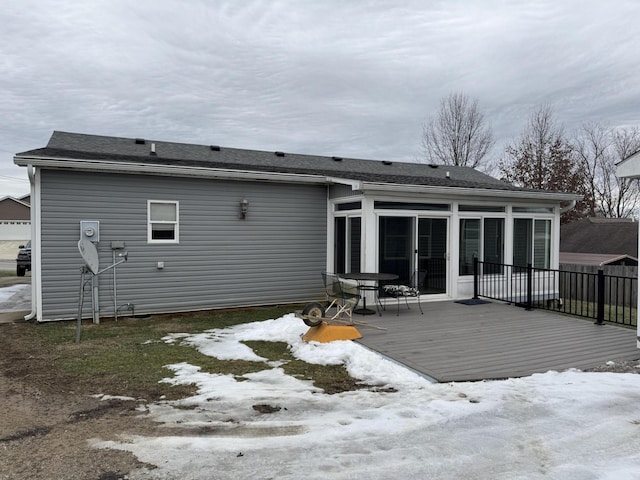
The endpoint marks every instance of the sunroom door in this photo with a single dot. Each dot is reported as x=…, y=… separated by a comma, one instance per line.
x=432, y=255
x=413, y=244
x=396, y=247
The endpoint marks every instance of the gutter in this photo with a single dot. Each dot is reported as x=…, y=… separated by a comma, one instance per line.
x=167, y=170
x=571, y=205
x=477, y=192
x=252, y=175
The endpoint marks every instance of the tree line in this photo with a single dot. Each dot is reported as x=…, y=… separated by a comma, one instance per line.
x=542, y=157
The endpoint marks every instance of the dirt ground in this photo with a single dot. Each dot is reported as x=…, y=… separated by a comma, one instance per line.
x=46, y=418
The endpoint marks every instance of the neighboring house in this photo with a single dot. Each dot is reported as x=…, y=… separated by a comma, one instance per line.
x=212, y=227
x=599, y=241
x=15, y=219
x=597, y=259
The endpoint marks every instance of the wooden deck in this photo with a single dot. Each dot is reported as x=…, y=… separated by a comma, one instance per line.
x=456, y=342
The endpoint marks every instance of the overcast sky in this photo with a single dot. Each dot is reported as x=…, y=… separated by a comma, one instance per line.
x=327, y=77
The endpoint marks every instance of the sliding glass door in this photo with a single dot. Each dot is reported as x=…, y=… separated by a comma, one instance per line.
x=432, y=255
x=396, y=247
x=415, y=245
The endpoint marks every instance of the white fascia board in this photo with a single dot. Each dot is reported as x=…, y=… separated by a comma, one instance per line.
x=629, y=167
x=465, y=191
x=354, y=184
x=167, y=170
x=248, y=174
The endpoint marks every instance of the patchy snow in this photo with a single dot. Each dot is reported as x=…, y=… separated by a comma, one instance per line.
x=7, y=292
x=569, y=425
x=103, y=397
x=15, y=298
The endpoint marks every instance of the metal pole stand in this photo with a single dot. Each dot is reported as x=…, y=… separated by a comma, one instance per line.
x=83, y=272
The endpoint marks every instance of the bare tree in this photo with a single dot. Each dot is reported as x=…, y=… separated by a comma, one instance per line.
x=543, y=158
x=592, y=146
x=598, y=150
x=458, y=134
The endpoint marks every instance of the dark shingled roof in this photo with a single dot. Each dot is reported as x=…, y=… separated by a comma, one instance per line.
x=63, y=145
x=615, y=236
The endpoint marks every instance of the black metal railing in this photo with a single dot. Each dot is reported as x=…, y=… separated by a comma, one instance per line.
x=604, y=298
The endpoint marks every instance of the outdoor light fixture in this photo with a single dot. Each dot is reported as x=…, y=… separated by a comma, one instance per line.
x=244, y=208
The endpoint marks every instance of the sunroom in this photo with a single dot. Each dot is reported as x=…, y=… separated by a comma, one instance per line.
x=435, y=237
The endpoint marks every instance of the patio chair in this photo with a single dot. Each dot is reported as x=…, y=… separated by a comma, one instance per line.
x=341, y=293
x=405, y=291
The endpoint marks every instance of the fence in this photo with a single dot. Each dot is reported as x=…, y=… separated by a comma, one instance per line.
x=603, y=297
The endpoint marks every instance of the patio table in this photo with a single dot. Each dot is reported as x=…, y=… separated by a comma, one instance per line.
x=368, y=281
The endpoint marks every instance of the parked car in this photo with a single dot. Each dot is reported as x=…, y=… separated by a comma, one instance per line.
x=23, y=262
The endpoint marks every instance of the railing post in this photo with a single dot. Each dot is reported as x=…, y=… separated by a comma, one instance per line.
x=529, y=287
x=600, y=297
x=475, y=277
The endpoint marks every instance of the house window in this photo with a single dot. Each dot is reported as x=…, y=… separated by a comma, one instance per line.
x=341, y=207
x=531, y=242
x=532, y=210
x=347, y=244
x=480, y=208
x=438, y=207
x=469, y=244
x=162, y=221
x=483, y=238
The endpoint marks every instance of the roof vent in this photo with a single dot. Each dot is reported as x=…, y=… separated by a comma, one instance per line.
x=215, y=148
x=140, y=141
x=279, y=154
x=337, y=159
x=433, y=165
x=387, y=162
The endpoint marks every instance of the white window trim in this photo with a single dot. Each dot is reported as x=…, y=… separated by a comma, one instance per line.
x=533, y=217
x=482, y=216
x=176, y=223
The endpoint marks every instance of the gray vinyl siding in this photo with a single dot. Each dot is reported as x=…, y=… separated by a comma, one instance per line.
x=273, y=256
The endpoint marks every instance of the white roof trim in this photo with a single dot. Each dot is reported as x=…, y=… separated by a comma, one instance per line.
x=481, y=192
x=629, y=167
x=354, y=184
x=253, y=175
x=171, y=170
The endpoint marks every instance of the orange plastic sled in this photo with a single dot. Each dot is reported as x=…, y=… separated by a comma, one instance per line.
x=325, y=333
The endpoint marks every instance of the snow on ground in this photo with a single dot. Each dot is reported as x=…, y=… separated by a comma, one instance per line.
x=7, y=292
x=568, y=425
x=15, y=298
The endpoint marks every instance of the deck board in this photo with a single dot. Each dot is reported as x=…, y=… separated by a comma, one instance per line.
x=455, y=342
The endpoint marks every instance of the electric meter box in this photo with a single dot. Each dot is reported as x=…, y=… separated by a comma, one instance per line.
x=90, y=229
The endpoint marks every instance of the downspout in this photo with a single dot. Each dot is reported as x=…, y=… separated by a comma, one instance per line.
x=34, y=246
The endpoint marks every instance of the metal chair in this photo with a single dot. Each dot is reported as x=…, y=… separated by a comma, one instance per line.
x=406, y=291
x=341, y=293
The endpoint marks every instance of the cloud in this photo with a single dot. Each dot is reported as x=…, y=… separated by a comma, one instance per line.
x=335, y=78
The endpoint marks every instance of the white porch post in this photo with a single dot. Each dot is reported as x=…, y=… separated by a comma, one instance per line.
x=630, y=168
x=638, y=295
x=369, y=239
x=369, y=261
